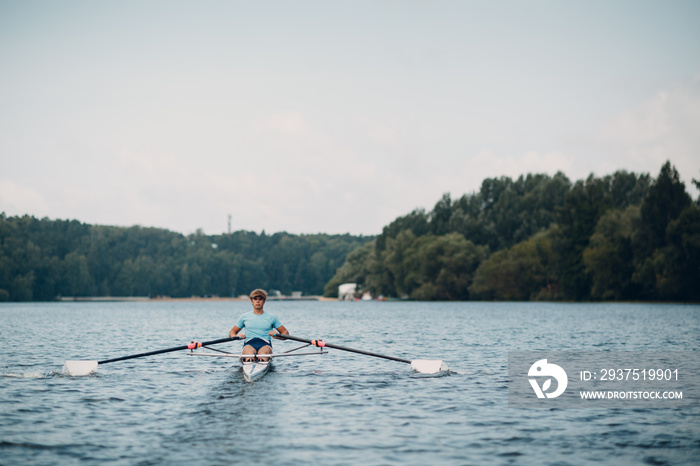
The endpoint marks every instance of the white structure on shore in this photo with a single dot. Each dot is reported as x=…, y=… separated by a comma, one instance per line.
x=346, y=292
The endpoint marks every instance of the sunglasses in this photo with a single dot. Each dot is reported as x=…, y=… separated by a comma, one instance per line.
x=258, y=297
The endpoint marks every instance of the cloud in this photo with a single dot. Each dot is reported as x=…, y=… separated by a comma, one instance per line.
x=665, y=126
x=291, y=123
x=378, y=132
x=467, y=176
x=19, y=199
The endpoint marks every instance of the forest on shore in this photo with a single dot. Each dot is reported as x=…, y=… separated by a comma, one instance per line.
x=620, y=237
x=623, y=236
x=43, y=260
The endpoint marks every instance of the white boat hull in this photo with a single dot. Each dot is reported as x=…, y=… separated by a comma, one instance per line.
x=254, y=370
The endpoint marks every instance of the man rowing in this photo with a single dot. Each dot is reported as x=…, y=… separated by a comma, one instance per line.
x=258, y=327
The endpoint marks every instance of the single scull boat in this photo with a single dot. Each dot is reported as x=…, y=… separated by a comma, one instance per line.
x=256, y=368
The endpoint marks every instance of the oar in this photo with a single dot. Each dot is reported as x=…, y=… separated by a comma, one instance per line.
x=425, y=366
x=86, y=367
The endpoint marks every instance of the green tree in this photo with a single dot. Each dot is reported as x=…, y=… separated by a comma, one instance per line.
x=76, y=276
x=442, y=267
x=672, y=271
x=393, y=261
x=358, y=268
x=684, y=248
x=439, y=218
x=609, y=257
x=657, y=267
x=21, y=287
x=520, y=273
x=664, y=203
x=576, y=220
x=417, y=221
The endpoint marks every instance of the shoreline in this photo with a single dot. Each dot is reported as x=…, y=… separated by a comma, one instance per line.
x=190, y=299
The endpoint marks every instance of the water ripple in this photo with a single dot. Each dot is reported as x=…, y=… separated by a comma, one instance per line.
x=337, y=409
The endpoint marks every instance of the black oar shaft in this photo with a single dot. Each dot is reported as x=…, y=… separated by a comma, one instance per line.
x=168, y=350
x=343, y=348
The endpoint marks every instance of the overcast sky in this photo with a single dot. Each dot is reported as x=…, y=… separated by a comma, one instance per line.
x=330, y=117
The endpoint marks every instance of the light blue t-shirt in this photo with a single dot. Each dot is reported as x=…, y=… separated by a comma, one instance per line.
x=258, y=326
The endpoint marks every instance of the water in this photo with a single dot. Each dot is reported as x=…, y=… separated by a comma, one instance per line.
x=335, y=409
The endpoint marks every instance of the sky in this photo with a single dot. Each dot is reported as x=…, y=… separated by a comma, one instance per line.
x=331, y=117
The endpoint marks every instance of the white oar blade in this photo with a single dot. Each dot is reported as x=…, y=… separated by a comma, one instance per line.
x=428, y=366
x=78, y=368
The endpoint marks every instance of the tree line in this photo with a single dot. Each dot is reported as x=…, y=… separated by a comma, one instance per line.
x=623, y=236
x=43, y=259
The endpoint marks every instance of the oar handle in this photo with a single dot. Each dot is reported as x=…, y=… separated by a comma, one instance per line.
x=323, y=344
x=168, y=350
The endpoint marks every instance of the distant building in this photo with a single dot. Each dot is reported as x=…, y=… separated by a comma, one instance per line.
x=346, y=291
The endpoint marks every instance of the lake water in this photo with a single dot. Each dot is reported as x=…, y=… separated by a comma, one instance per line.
x=336, y=409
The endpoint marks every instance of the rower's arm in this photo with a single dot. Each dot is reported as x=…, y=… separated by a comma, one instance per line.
x=234, y=332
x=281, y=329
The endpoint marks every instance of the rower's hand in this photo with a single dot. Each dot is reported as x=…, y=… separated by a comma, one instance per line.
x=274, y=333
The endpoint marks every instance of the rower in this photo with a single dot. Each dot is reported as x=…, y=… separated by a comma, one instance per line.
x=258, y=327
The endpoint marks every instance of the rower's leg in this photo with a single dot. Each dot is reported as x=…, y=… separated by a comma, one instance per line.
x=264, y=350
x=247, y=349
